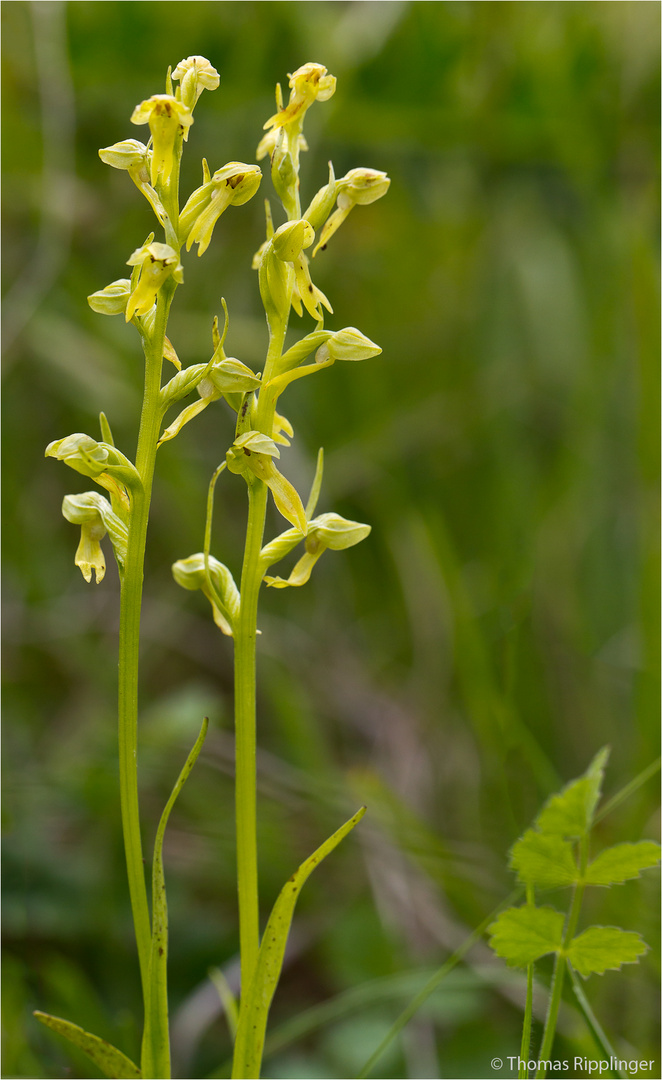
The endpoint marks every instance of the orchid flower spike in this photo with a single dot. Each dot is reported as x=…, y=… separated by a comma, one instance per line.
x=232, y=185
x=167, y=118
x=195, y=74
x=157, y=263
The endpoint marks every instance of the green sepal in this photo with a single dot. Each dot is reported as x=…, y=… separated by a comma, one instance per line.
x=543, y=860
x=302, y=349
x=155, y=1060
x=522, y=935
x=602, y=948
x=570, y=813
x=112, y=1062
x=183, y=383
x=249, y=1043
x=622, y=862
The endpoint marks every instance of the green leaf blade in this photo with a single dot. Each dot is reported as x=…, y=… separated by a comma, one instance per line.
x=112, y=1062
x=543, y=860
x=623, y=862
x=254, y=1008
x=570, y=813
x=155, y=1060
x=522, y=935
x=602, y=948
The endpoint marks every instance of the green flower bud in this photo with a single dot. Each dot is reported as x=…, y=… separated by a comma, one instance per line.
x=277, y=549
x=223, y=595
x=290, y=240
x=274, y=279
x=195, y=74
x=113, y=299
x=322, y=203
x=157, y=262
x=347, y=344
x=167, y=118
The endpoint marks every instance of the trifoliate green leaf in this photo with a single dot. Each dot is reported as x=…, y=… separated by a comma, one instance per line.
x=604, y=947
x=522, y=935
x=570, y=813
x=622, y=862
x=545, y=861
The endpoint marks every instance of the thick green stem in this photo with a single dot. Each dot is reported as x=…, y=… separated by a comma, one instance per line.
x=129, y=635
x=245, y=734
x=245, y=634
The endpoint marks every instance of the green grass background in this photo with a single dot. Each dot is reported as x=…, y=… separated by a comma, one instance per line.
x=500, y=623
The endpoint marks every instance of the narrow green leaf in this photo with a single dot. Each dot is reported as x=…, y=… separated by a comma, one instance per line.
x=622, y=862
x=156, y=1043
x=604, y=947
x=522, y=935
x=254, y=1008
x=109, y=1059
x=545, y=861
x=570, y=813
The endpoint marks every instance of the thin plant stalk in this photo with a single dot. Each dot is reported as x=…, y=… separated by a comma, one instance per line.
x=528, y=1011
x=560, y=965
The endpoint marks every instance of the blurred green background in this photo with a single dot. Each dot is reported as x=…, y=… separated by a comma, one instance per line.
x=500, y=624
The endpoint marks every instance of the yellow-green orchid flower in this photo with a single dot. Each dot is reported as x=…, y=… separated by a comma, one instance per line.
x=167, y=118
x=232, y=185
x=95, y=516
x=308, y=83
x=157, y=262
x=136, y=159
x=326, y=531
x=195, y=74
x=253, y=452
x=358, y=187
